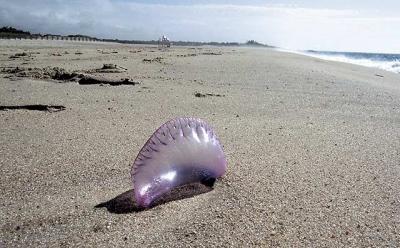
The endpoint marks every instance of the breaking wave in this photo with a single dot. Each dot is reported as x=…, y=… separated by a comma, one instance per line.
x=384, y=61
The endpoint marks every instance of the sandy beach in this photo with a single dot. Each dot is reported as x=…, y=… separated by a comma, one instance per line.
x=313, y=147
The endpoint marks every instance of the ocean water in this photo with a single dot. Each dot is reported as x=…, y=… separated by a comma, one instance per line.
x=384, y=61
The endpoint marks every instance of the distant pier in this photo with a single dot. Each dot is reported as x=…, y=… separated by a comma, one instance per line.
x=48, y=37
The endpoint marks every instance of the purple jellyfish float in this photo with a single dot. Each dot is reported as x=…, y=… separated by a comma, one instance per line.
x=182, y=151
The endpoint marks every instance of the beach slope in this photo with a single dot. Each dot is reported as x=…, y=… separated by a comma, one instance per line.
x=313, y=147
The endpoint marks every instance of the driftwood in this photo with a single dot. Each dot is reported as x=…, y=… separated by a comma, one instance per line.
x=37, y=107
x=89, y=79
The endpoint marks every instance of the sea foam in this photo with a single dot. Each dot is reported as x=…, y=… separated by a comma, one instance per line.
x=384, y=61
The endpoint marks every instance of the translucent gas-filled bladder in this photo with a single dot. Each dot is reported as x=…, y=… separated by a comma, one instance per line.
x=182, y=151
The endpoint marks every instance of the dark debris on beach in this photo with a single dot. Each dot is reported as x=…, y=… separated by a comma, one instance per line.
x=60, y=74
x=198, y=94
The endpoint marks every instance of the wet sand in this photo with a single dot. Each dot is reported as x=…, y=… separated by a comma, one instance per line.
x=313, y=147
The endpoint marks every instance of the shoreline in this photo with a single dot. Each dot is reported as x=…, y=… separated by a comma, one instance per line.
x=386, y=65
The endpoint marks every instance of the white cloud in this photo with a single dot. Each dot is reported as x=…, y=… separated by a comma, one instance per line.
x=282, y=25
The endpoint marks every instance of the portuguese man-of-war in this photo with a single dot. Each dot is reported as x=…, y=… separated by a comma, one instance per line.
x=182, y=151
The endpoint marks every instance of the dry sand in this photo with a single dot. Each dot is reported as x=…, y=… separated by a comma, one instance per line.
x=313, y=148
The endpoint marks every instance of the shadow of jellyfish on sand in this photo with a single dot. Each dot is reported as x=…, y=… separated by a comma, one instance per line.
x=182, y=158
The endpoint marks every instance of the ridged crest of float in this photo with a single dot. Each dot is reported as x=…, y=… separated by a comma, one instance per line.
x=182, y=151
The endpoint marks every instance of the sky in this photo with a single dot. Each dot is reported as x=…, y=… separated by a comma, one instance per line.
x=336, y=25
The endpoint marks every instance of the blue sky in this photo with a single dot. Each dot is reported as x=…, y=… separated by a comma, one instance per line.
x=369, y=26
